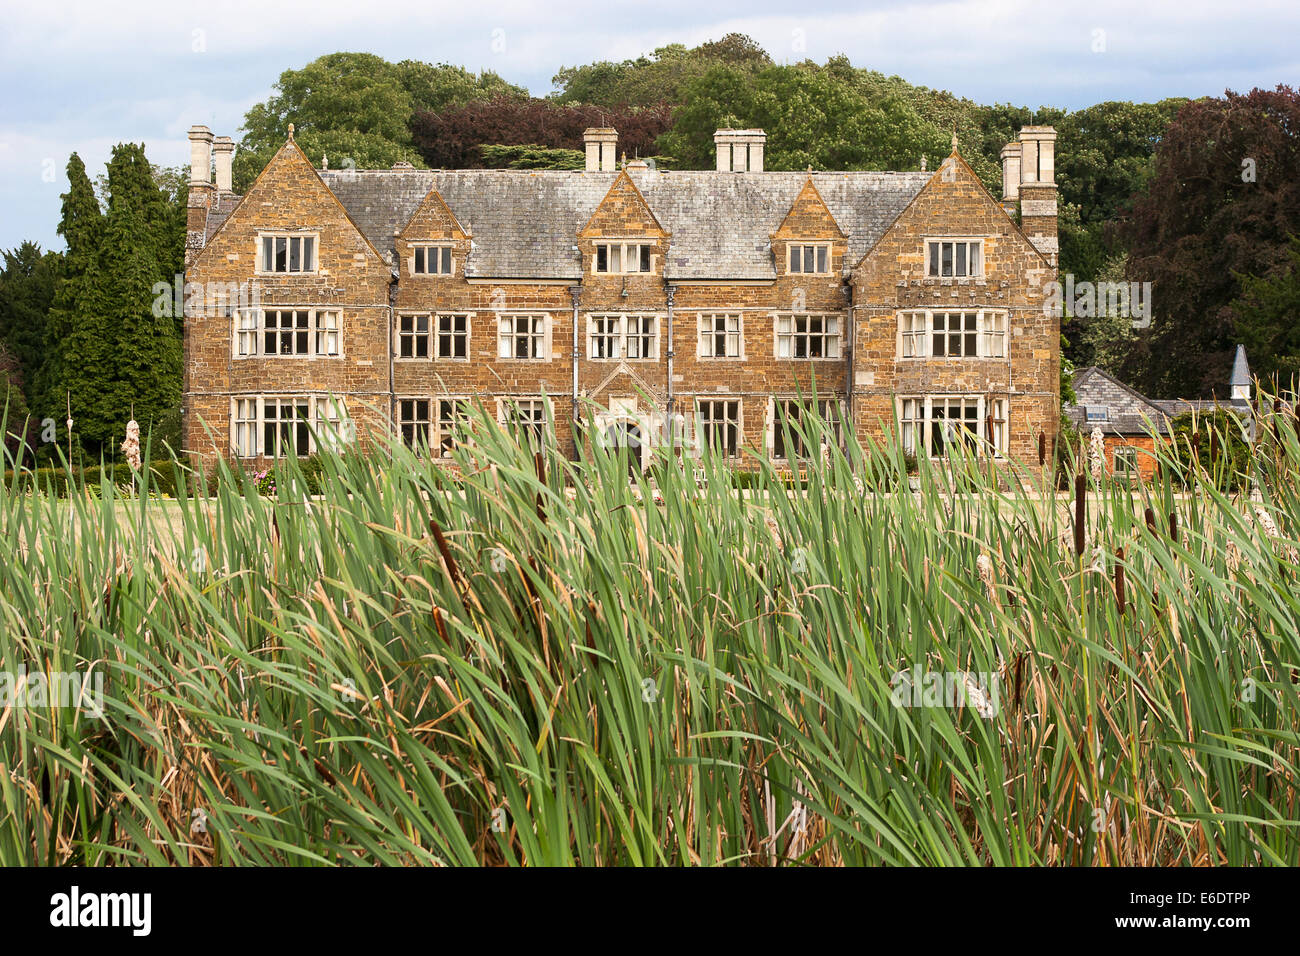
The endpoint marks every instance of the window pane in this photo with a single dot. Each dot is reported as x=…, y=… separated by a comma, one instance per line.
x=645, y=258
x=446, y=260
x=961, y=258
x=295, y=254
x=602, y=258
x=946, y=258
x=419, y=259
x=281, y=254
x=821, y=258
x=268, y=253
x=934, y=258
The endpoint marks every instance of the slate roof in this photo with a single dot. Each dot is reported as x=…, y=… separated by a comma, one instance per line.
x=524, y=223
x=1128, y=411
x=1126, y=407
x=1240, y=368
x=221, y=210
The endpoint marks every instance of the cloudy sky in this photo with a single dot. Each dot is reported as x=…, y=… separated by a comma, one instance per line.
x=85, y=75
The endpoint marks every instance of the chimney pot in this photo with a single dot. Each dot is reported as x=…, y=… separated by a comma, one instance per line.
x=601, y=143
x=223, y=154
x=200, y=156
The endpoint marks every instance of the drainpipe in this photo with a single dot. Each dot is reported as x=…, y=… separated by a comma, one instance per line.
x=575, y=292
x=670, y=291
x=392, y=317
x=850, y=369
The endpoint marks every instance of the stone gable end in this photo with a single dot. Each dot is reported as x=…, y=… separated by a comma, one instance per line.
x=623, y=213
x=808, y=218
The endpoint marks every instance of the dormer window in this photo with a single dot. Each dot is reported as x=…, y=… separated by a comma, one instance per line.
x=1097, y=413
x=954, y=258
x=287, y=253
x=810, y=258
x=618, y=258
x=432, y=261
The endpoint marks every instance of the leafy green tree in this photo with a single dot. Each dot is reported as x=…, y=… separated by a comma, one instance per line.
x=531, y=156
x=814, y=116
x=82, y=228
x=1223, y=203
x=1267, y=322
x=27, y=286
x=355, y=109
x=661, y=77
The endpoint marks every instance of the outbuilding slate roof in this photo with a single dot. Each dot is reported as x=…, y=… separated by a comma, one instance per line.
x=524, y=223
x=1128, y=411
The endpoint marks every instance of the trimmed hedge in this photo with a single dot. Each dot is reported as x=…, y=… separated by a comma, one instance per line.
x=162, y=479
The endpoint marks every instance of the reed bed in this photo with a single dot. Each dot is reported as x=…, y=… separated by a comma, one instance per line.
x=546, y=664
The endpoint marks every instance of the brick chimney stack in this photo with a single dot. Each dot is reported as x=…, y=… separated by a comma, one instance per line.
x=602, y=149
x=223, y=155
x=740, y=150
x=201, y=190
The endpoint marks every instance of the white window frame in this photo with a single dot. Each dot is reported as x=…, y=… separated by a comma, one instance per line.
x=831, y=409
x=323, y=329
x=619, y=329
x=432, y=432
x=401, y=336
x=819, y=252
x=326, y=418
x=539, y=337
x=916, y=333
x=786, y=335
x=1129, y=453
x=442, y=437
x=264, y=266
x=916, y=419
x=419, y=424
x=705, y=424
x=733, y=338
x=969, y=242
x=446, y=252
x=622, y=246
x=526, y=411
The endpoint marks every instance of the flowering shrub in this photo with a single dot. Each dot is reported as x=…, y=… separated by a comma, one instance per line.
x=264, y=481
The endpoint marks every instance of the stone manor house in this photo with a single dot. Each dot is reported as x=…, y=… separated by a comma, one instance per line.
x=704, y=304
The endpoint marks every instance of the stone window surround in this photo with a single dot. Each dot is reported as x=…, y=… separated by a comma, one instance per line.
x=436, y=422
x=625, y=243
x=433, y=316
x=509, y=405
x=985, y=405
x=548, y=330
x=430, y=244
x=833, y=341
x=316, y=403
x=261, y=266
x=621, y=335
x=706, y=330
x=816, y=244
x=925, y=257
x=259, y=329
x=984, y=332
x=701, y=441
x=773, y=426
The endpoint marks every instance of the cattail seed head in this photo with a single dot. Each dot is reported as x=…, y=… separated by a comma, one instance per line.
x=984, y=565
x=1080, y=513
x=1042, y=449
x=1173, y=526
x=1120, y=596
x=1150, y=516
